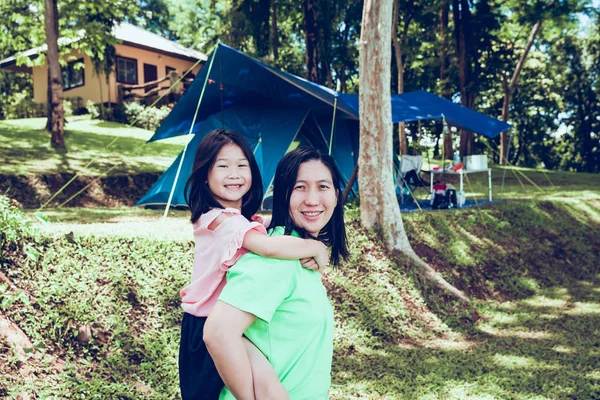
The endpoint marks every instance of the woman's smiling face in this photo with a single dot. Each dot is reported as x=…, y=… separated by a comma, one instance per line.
x=313, y=198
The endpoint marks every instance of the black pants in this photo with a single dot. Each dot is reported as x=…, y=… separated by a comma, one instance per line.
x=198, y=376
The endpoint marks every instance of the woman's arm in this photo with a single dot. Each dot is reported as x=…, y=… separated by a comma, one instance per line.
x=286, y=247
x=266, y=382
x=223, y=337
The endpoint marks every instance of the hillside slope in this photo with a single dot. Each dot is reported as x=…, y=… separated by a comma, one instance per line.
x=100, y=315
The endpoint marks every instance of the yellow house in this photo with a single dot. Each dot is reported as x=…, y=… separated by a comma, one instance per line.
x=141, y=57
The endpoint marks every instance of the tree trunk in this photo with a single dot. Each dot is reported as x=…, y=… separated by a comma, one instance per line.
x=402, y=142
x=378, y=205
x=510, y=88
x=56, y=116
x=342, y=78
x=102, y=115
x=445, y=88
x=274, y=31
x=462, y=20
x=311, y=40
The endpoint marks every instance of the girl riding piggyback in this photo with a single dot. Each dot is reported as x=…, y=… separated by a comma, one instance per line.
x=224, y=192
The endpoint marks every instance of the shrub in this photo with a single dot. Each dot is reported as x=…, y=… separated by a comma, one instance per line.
x=12, y=222
x=92, y=109
x=145, y=117
x=21, y=105
x=67, y=108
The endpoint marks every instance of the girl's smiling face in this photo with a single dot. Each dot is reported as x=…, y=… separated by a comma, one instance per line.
x=313, y=198
x=230, y=178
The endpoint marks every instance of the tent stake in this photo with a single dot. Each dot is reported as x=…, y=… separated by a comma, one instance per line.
x=189, y=133
x=332, y=124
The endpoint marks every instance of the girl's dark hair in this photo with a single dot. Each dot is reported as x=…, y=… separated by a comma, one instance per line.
x=197, y=193
x=334, y=232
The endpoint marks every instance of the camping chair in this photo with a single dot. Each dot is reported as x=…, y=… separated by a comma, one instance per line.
x=409, y=177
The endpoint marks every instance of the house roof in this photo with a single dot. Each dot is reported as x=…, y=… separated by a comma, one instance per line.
x=129, y=35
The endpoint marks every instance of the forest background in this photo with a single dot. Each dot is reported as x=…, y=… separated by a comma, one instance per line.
x=468, y=51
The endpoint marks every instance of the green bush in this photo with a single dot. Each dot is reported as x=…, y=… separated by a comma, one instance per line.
x=67, y=108
x=21, y=105
x=145, y=117
x=92, y=109
x=13, y=224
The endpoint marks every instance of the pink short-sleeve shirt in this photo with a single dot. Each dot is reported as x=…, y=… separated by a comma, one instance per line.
x=215, y=251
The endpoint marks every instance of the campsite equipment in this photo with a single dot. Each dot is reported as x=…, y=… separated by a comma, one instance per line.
x=277, y=111
x=476, y=162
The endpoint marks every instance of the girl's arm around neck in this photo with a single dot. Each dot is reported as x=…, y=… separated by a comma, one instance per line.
x=286, y=247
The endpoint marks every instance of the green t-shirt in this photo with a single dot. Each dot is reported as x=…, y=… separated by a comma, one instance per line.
x=294, y=325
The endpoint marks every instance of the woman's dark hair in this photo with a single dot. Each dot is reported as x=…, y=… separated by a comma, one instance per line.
x=197, y=193
x=334, y=232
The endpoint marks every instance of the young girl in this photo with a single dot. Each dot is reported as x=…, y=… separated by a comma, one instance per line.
x=224, y=192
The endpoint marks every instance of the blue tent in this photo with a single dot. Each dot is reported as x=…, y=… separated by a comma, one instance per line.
x=269, y=131
x=277, y=111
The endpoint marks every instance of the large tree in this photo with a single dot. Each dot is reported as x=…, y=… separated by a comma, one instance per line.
x=311, y=39
x=378, y=205
x=56, y=115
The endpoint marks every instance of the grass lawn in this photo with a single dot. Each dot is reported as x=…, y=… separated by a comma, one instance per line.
x=530, y=264
x=25, y=148
x=532, y=269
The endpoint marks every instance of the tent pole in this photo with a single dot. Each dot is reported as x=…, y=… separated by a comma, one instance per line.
x=350, y=184
x=189, y=133
x=507, y=154
x=332, y=125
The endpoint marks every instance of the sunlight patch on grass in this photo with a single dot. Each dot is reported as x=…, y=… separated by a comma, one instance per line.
x=583, y=309
x=522, y=362
x=462, y=252
x=172, y=230
x=546, y=302
x=504, y=318
x=595, y=375
x=514, y=332
x=548, y=317
x=450, y=345
x=457, y=390
x=563, y=349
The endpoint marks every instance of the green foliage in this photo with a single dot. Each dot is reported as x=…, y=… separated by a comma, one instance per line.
x=16, y=96
x=389, y=343
x=67, y=108
x=13, y=224
x=145, y=117
x=92, y=109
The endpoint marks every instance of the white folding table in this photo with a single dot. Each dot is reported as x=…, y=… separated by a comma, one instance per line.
x=461, y=194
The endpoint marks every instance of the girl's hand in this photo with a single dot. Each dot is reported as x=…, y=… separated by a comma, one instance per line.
x=322, y=257
x=309, y=263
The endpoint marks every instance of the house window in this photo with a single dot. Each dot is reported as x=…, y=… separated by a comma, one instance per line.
x=73, y=74
x=127, y=70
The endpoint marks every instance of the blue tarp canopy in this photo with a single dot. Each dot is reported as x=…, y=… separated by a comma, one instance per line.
x=422, y=105
x=276, y=111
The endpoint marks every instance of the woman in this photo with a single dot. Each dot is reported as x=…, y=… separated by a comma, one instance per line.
x=280, y=306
